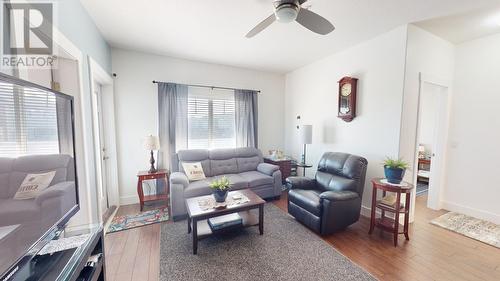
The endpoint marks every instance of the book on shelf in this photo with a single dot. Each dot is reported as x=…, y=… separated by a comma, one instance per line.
x=221, y=222
x=390, y=201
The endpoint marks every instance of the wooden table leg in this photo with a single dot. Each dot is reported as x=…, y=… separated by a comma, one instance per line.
x=374, y=204
x=140, y=193
x=189, y=224
x=396, y=219
x=261, y=219
x=195, y=236
x=407, y=215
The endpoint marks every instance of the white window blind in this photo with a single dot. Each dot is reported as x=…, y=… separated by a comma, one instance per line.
x=211, y=118
x=28, y=121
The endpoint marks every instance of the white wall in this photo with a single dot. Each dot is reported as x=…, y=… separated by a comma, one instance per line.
x=473, y=151
x=312, y=93
x=137, y=107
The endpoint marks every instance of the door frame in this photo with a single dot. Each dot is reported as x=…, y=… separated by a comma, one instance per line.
x=434, y=194
x=100, y=76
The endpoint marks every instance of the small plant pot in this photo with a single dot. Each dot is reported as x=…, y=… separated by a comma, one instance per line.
x=394, y=175
x=220, y=195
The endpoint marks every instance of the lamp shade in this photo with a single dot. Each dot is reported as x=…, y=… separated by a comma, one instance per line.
x=305, y=134
x=151, y=143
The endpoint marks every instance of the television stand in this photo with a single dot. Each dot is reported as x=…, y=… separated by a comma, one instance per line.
x=71, y=264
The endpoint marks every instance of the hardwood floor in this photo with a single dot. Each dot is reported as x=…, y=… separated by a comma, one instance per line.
x=432, y=253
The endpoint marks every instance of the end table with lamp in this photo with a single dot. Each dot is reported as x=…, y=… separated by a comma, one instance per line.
x=152, y=143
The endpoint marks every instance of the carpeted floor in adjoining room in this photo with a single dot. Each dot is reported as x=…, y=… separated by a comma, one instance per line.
x=286, y=251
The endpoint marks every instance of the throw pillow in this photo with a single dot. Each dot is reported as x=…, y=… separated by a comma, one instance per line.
x=33, y=184
x=194, y=171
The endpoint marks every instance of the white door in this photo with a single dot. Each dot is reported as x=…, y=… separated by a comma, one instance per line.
x=437, y=95
x=100, y=150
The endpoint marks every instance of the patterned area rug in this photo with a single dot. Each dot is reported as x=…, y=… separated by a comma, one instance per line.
x=287, y=251
x=480, y=230
x=120, y=223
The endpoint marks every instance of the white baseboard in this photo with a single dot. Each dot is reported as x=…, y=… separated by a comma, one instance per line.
x=128, y=200
x=480, y=214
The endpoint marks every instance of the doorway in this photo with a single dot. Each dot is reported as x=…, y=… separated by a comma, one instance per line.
x=432, y=132
x=100, y=149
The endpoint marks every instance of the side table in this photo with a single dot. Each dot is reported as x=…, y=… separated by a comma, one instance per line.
x=158, y=175
x=284, y=164
x=304, y=167
x=385, y=223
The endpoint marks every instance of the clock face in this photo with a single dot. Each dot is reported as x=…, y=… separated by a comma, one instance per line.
x=346, y=89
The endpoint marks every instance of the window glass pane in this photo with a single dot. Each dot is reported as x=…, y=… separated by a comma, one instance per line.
x=211, y=118
x=28, y=121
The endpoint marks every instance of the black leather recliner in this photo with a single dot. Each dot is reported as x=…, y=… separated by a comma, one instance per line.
x=331, y=201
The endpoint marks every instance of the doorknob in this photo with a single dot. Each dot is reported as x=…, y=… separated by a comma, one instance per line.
x=105, y=158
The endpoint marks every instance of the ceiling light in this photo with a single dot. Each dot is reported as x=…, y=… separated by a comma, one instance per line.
x=286, y=13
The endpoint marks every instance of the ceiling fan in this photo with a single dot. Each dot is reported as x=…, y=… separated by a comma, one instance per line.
x=286, y=11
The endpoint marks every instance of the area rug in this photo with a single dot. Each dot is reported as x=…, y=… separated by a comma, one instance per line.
x=120, y=223
x=478, y=229
x=286, y=251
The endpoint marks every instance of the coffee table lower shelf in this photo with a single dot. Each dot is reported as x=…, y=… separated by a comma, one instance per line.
x=250, y=218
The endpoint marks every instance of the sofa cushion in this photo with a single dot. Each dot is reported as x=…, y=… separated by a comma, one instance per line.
x=192, y=156
x=221, y=167
x=331, y=182
x=194, y=171
x=18, y=211
x=307, y=199
x=246, y=164
x=202, y=187
x=255, y=178
x=5, y=170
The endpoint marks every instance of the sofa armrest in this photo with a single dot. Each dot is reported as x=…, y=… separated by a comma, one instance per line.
x=300, y=183
x=56, y=190
x=335, y=196
x=179, y=178
x=267, y=168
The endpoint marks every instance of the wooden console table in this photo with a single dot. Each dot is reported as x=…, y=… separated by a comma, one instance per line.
x=158, y=175
x=389, y=224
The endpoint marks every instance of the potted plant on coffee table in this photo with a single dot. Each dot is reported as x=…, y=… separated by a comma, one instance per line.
x=394, y=169
x=220, y=188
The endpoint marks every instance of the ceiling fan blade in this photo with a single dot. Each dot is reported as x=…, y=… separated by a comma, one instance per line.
x=261, y=26
x=314, y=22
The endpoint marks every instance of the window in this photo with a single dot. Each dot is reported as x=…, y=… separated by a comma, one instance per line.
x=28, y=121
x=211, y=118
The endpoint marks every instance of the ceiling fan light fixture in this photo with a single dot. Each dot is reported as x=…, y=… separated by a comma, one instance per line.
x=286, y=13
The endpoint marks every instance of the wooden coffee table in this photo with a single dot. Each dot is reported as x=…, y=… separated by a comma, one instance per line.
x=197, y=218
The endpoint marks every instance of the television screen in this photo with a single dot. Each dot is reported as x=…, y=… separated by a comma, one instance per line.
x=38, y=186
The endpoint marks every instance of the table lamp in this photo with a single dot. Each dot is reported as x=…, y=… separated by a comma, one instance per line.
x=305, y=137
x=152, y=143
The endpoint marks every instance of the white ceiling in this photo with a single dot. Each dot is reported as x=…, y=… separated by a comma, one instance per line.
x=465, y=26
x=214, y=30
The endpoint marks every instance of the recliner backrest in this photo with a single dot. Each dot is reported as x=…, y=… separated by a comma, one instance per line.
x=341, y=171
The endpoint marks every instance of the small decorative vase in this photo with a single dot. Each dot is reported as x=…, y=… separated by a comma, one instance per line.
x=220, y=195
x=394, y=175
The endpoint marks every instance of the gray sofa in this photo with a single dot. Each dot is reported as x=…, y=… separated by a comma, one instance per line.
x=33, y=217
x=243, y=167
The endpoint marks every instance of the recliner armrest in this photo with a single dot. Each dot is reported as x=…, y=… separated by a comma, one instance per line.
x=339, y=195
x=267, y=168
x=179, y=178
x=300, y=183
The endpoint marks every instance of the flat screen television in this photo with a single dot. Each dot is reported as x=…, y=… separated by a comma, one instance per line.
x=38, y=181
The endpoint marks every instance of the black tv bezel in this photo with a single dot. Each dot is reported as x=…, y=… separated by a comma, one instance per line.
x=53, y=230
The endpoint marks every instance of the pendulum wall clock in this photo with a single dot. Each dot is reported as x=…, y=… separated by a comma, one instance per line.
x=347, y=98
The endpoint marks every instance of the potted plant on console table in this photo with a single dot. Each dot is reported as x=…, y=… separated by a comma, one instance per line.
x=394, y=170
x=220, y=188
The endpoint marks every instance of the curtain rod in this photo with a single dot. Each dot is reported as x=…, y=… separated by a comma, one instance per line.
x=204, y=86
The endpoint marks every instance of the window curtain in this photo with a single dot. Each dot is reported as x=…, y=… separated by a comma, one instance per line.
x=64, y=126
x=173, y=121
x=246, y=108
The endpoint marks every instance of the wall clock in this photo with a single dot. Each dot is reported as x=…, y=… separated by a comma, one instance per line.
x=347, y=98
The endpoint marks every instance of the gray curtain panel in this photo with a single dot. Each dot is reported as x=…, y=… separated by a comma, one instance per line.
x=173, y=121
x=64, y=129
x=246, y=128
